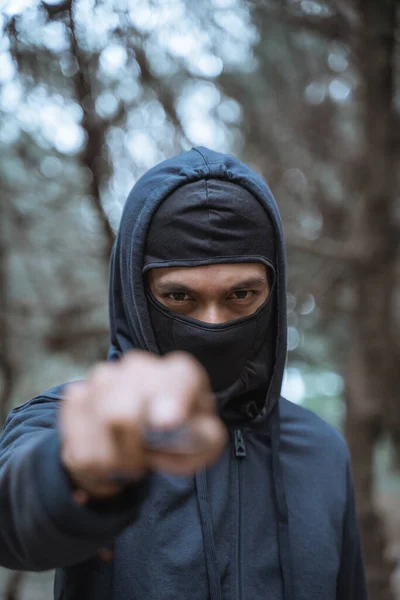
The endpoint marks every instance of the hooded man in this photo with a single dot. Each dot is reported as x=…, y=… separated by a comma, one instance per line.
x=185, y=475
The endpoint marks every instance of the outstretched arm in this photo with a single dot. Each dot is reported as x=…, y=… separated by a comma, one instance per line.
x=95, y=433
x=41, y=526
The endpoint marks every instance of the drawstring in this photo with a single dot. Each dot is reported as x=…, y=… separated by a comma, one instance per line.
x=281, y=507
x=282, y=513
x=214, y=581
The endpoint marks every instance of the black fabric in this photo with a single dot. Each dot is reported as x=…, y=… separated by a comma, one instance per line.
x=130, y=322
x=210, y=553
x=226, y=350
x=207, y=222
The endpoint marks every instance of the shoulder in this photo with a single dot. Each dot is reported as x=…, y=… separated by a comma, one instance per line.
x=52, y=394
x=38, y=407
x=310, y=434
x=36, y=415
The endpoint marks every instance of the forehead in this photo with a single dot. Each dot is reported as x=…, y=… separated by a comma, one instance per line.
x=225, y=274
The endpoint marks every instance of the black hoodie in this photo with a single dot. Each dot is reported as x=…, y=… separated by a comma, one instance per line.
x=273, y=518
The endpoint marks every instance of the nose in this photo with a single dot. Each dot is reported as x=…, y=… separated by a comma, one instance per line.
x=212, y=314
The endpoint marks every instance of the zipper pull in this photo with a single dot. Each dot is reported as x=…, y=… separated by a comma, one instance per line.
x=240, y=447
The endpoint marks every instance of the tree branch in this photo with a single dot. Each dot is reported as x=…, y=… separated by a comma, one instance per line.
x=340, y=26
x=94, y=128
x=6, y=365
x=54, y=10
x=166, y=98
x=325, y=247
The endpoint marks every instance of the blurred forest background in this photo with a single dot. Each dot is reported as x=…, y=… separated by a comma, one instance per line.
x=94, y=92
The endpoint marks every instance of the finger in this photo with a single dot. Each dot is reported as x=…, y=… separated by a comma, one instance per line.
x=208, y=439
x=180, y=390
x=122, y=409
x=167, y=412
x=71, y=420
x=87, y=449
x=187, y=378
x=100, y=381
x=178, y=440
x=128, y=438
x=121, y=404
x=212, y=434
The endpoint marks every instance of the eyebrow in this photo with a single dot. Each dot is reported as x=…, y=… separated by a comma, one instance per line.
x=168, y=287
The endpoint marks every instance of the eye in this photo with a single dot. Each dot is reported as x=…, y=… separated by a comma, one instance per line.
x=178, y=296
x=243, y=294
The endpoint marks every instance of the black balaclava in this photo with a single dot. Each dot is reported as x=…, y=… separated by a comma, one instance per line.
x=227, y=227
x=207, y=222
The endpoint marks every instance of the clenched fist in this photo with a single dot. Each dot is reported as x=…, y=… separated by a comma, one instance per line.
x=108, y=421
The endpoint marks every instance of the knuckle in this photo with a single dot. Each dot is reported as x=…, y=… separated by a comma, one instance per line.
x=87, y=465
x=93, y=462
x=209, y=404
x=138, y=359
x=180, y=358
x=101, y=374
x=75, y=391
x=74, y=400
x=120, y=417
x=130, y=359
x=196, y=372
x=188, y=366
x=82, y=461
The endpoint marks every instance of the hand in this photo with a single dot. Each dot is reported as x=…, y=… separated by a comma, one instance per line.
x=106, y=420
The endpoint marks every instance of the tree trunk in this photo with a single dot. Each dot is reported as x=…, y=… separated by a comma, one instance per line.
x=7, y=371
x=372, y=367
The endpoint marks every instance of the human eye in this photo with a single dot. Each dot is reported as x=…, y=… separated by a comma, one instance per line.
x=243, y=294
x=178, y=296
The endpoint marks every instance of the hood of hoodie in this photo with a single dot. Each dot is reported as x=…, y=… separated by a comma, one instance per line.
x=130, y=320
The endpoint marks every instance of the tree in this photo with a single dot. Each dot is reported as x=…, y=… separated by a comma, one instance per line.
x=95, y=93
x=358, y=240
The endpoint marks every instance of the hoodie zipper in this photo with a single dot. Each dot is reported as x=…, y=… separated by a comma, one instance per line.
x=240, y=454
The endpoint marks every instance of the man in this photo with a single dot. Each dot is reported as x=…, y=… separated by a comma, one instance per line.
x=127, y=482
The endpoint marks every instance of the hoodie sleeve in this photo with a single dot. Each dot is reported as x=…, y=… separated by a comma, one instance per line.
x=351, y=580
x=41, y=527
